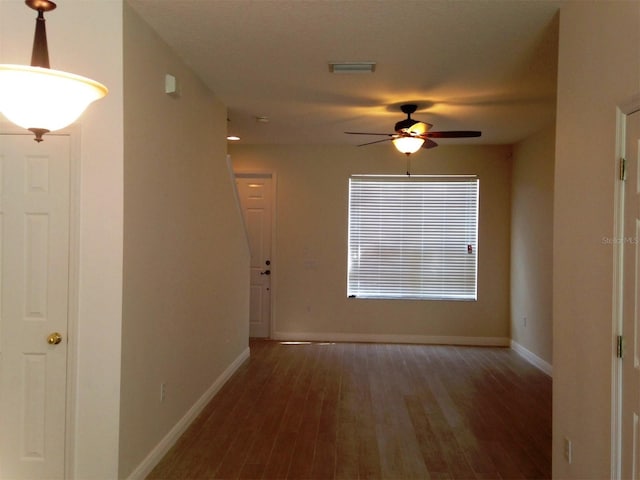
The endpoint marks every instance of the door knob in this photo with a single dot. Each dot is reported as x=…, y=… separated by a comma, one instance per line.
x=266, y=272
x=54, y=339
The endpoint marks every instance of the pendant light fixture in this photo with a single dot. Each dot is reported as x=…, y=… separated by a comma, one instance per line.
x=38, y=98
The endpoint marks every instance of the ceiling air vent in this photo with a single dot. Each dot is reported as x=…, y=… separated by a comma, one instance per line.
x=352, y=67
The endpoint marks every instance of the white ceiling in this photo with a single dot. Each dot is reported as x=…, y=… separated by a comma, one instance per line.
x=486, y=65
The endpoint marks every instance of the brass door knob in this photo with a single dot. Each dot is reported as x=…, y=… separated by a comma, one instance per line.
x=54, y=339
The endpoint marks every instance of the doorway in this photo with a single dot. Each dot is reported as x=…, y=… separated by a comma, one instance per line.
x=34, y=304
x=256, y=198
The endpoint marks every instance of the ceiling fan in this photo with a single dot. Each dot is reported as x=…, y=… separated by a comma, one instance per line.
x=412, y=134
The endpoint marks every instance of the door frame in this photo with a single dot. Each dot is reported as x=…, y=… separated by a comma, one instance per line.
x=73, y=134
x=75, y=181
x=274, y=214
x=632, y=105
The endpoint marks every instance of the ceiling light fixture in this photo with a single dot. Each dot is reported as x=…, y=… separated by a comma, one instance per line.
x=40, y=99
x=230, y=136
x=352, y=67
x=408, y=144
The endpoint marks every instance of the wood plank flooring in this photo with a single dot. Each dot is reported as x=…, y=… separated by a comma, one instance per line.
x=371, y=411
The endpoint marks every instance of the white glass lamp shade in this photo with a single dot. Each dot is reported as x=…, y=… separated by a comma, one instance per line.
x=408, y=144
x=45, y=99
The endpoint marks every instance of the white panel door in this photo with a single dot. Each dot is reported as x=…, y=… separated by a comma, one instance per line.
x=631, y=305
x=34, y=266
x=256, y=199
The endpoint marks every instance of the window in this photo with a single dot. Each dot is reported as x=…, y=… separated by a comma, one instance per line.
x=413, y=237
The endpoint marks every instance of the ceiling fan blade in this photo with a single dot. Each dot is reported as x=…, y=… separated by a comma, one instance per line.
x=419, y=128
x=377, y=141
x=454, y=134
x=365, y=133
x=428, y=143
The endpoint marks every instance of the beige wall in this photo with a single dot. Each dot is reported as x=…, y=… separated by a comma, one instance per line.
x=309, y=268
x=597, y=70
x=532, y=244
x=185, y=293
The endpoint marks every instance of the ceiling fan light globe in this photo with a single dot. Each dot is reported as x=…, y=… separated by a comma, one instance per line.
x=408, y=145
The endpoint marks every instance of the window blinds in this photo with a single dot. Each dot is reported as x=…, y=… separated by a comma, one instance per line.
x=413, y=237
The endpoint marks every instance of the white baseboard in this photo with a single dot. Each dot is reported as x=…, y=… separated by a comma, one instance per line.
x=391, y=338
x=532, y=358
x=174, y=434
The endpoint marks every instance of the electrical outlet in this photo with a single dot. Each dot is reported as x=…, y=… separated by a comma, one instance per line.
x=568, y=450
x=163, y=391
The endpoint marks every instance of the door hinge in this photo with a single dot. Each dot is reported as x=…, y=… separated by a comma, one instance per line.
x=623, y=169
x=620, y=346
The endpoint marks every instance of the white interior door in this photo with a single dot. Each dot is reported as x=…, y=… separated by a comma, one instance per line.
x=256, y=197
x=630, y=420
x=34, y=266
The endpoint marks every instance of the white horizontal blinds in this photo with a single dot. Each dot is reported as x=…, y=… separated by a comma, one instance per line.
x=413, y=237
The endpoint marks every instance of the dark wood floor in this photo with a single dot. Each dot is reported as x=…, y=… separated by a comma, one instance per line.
x=356, y=411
